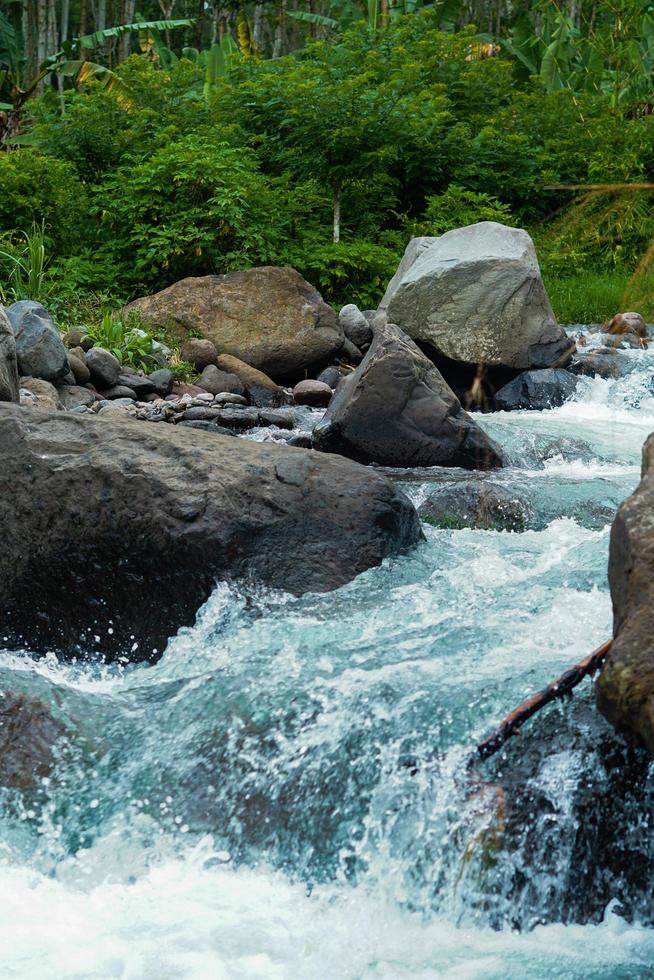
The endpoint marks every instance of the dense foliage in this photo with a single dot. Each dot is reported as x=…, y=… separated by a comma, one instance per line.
x=330, y=158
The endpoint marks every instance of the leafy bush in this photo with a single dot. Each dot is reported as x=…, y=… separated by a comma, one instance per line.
x=195, y=207
x=458, y=207
x=603, y=230
x=127, y=341
x=40, y=190
x=348, y=272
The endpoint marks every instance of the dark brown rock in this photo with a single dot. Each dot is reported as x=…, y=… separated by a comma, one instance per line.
x=42, y=394
x=268, y=317
x=625, y=690
x=195, y=507
x=259, y=388
x=627, y=323
x=199, y=352
x=79, y=368
x=312, y=393
x=28, y=735
x=8, y=365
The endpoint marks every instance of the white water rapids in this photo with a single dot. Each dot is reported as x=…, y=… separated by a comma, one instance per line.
x=284, y=795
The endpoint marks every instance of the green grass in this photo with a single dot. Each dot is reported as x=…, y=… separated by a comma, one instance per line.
x=588, y=297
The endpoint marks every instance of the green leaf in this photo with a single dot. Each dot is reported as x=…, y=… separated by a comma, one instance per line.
x=307, y=17
x=98, y=38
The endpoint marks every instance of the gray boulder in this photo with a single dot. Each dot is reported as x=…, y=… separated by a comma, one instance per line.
x=602, y=362
x=475, y=295
x=8, y=366
x=479, y=504
x=537, y=390
x=216, y=381
x=39, y=347
x=413, y=251
x=396, y=410
x=163, y=381
x=354, y=325
x=194, y=508
x=75, y=396
x=138, y=383
x=104, y=367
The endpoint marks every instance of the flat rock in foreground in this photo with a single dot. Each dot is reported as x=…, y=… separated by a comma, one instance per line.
x=117, y=530
x=625, y=689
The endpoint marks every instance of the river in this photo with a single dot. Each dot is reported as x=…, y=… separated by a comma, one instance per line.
x=286, y=795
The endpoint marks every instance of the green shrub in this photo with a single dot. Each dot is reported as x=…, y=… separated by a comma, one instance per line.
x=348, y=272
x=127, y=340
x=37, y=189
x=588, y=296
x=603, y=230
x=458, y=207
x=195, y=207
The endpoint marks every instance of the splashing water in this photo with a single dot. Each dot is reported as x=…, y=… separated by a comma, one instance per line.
x=287, y=794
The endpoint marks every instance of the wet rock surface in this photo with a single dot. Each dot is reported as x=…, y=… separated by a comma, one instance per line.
x=196, y=508
x=537, y=390
x=625, y=690
x=396, y=410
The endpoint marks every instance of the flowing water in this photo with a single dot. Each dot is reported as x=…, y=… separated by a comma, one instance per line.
x=287, y=794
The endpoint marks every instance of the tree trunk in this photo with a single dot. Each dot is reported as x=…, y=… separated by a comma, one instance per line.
x=337, y=213
x=126, y=39
x=199, y=25
x=278, y=43
x=257, y=28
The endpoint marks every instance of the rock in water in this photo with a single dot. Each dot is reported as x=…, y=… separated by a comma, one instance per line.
x=475, y=295
x=39, y=347
x=119, y=530
x=625, y=689
x=396, y=410
x=537, y=390
x=268, y=317
x=626, y=323
x=8, y=367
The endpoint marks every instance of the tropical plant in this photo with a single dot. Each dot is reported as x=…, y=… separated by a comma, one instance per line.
x=126, y=339
x=25, y=256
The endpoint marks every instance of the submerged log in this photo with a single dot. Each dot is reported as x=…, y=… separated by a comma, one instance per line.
x=559, y=688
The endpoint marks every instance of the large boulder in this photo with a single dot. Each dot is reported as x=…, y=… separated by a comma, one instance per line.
x=115, y=531
x=8, y=367
x=396, y=410
x=39, y=347
x=475, y=295
x=625, y=690
x=268, y=317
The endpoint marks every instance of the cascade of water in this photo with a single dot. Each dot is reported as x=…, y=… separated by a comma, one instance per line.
x=286, y=793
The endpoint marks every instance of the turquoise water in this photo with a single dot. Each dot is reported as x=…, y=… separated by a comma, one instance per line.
x=286, y=794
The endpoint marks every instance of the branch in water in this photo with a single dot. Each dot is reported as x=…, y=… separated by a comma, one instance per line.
x=557, y=689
